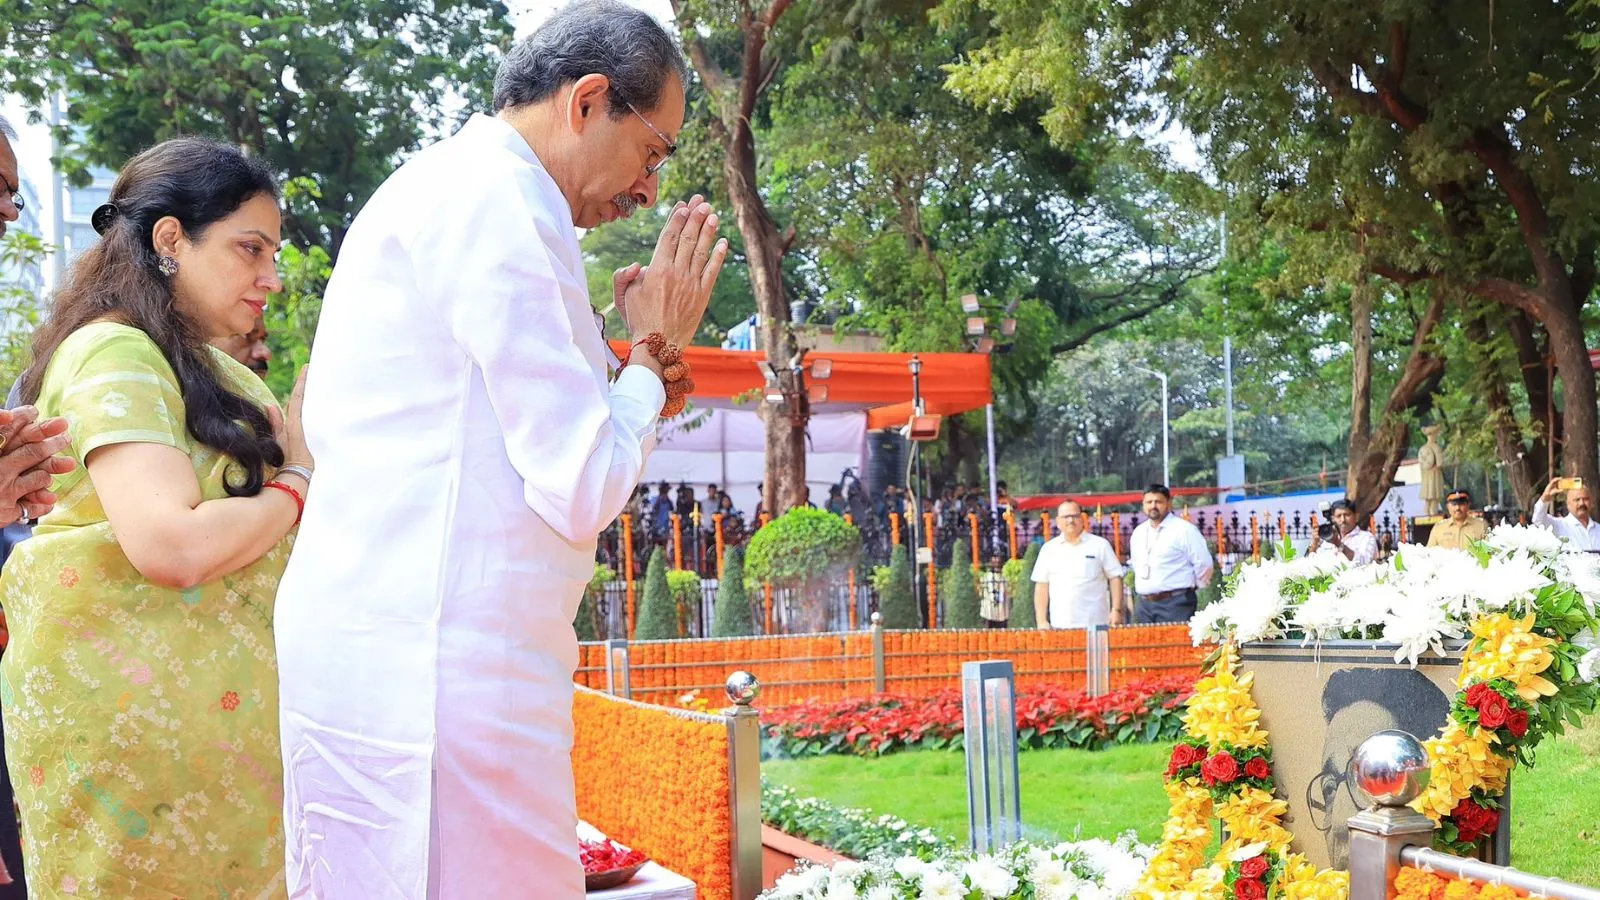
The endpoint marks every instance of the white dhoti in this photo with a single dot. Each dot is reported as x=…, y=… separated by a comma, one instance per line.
x=469, y=449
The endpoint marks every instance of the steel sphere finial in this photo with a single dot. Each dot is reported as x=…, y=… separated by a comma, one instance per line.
x=1391, y=767
x=743, y=688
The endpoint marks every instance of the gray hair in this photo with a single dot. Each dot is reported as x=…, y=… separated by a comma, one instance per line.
x=6, y=131
x=600, y=37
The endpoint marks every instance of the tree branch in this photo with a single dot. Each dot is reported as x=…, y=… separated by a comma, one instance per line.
x=1123, y=318
x=1494, y=150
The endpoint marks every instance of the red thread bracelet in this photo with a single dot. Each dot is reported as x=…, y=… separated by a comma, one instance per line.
x=299, y=501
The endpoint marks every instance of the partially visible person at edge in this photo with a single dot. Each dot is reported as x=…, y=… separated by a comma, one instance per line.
x=1578, y=525
x=250, y=348
x=1170, y=561
x=1462, y=528
x=470, y=449
x=1347, y=538
x=27, y=463
x=1077, y=576
x=141, y=690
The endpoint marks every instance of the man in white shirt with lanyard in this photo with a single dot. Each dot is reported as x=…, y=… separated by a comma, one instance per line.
x=1577, y=525
x=1170, y=562
x=1077, y=577
x=1346, y=537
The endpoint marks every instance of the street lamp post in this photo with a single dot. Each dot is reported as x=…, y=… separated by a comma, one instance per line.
x=1166, y=448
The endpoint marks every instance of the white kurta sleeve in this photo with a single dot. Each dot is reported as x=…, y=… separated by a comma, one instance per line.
x=578, y=446
x=1543, y=519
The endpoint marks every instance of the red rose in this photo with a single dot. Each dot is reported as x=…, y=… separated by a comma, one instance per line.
x=1220, y=769
x=1517, y=723
x=1493, y=711
x=1474, y=821
x=1254, y=867
x=1477, y=693
x=1249, y=889
x=1258, y=768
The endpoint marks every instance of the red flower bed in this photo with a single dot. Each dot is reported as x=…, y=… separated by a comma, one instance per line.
x=1149, y=710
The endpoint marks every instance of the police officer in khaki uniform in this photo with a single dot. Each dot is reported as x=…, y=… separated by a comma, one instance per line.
x=1462, y=528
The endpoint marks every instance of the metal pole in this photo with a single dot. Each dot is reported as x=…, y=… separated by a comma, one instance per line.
x=1227, y=347
x=744, y=784
x=994, y=491
x=619, y=675
x=1462, y=867
x=879, y=675
x=1166, y=450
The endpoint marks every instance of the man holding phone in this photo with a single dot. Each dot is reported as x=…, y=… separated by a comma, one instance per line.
x=1346, y=537
x=1577, y=525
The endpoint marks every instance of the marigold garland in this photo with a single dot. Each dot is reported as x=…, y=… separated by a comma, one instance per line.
x=1421, y=884
x=656, y=780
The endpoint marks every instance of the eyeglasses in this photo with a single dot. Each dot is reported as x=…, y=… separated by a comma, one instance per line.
x=16, y=195
x=671, y=146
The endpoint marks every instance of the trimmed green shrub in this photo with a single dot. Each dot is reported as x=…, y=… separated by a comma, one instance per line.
x=658, y=614
x=896, y=602
x=1021, y=586
x=732, y=616
x=685, y=588
x=958, y=587
x=799, y=547
x=590, y=622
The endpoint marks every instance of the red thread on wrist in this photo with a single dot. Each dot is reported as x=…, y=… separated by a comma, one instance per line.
x=299, y=501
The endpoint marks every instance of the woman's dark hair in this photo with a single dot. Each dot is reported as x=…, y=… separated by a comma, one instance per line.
x=198, y=182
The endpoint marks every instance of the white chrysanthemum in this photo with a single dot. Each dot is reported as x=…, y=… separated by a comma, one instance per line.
x=841, y=890
x=847, y=869
x=1315, y=565
x=1206, y=626
x=801, y=882
x=1369, y=607
x=941, y=885
x=1256, y=608
x=1530, y=538
x=1589, y=666
x=1418, y=627
x=990, y=878
x=1582, y=571
x=1320, y=616
x=1514, y=578
x=881, y=892
x=1355, y=578
x=911, y=868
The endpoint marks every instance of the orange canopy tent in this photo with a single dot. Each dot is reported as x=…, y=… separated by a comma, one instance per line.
x=880, y=383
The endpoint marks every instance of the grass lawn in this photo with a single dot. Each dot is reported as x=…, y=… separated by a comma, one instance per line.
x=1556, y=805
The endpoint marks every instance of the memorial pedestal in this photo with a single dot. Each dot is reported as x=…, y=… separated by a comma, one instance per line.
x=1319, y=702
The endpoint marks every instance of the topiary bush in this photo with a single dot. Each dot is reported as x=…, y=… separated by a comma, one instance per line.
x=806, y=549
x=685, y=588
x=658, y=614
x=896, y=602
x=590, y=622
x=732, y=616
x=958, y=587
x=1021, y=587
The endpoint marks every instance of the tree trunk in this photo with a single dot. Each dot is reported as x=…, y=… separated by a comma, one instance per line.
x=1523, y=460
x=1361, y=378
x=1577, y=452
x=736, y=98
x=1373, y=470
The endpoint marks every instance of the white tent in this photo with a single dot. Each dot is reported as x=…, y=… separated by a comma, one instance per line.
x=727, y=447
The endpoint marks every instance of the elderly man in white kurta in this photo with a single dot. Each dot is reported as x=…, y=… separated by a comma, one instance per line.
x=469, y=449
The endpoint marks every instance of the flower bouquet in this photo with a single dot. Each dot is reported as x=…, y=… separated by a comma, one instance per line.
x=1091, y=870
x=1524, y=599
